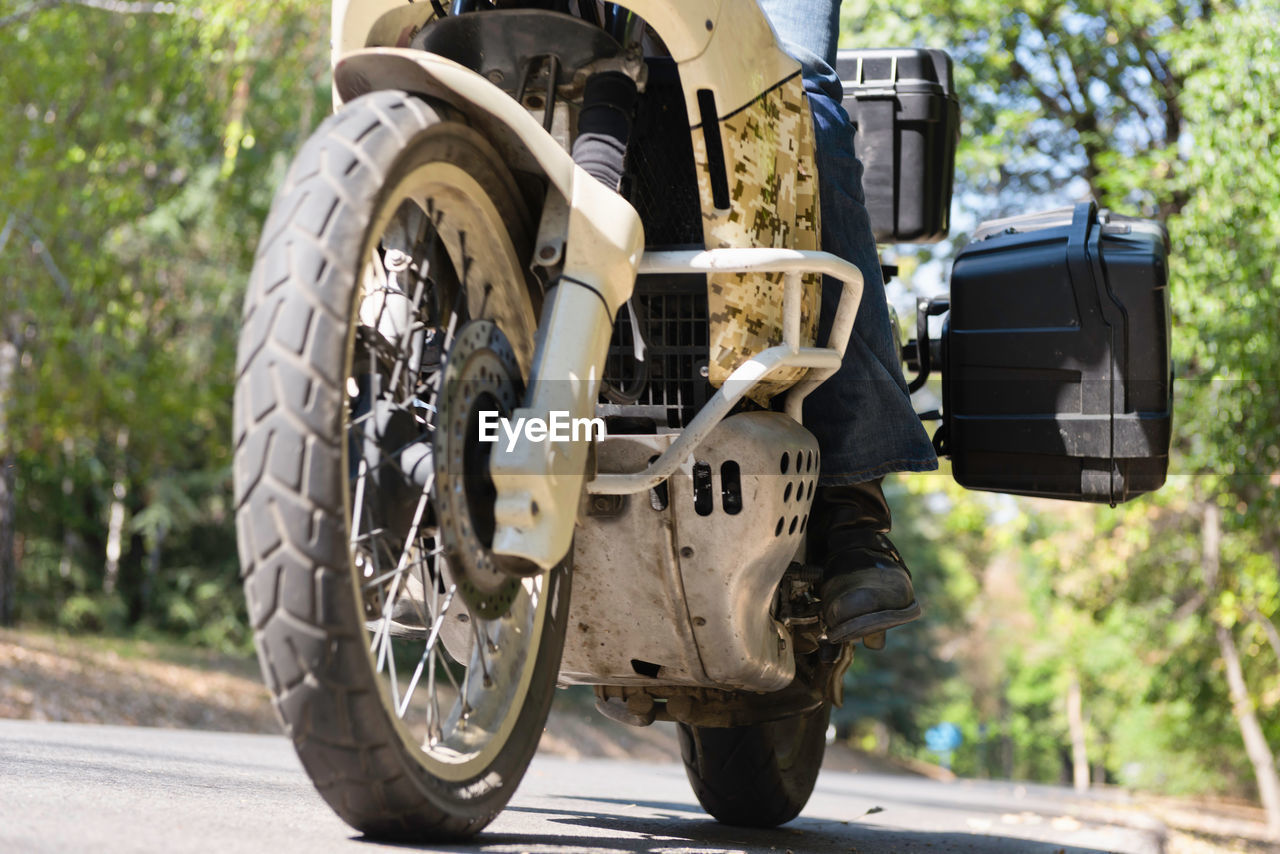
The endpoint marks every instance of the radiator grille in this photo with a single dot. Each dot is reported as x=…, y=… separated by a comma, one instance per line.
x=660, y=180
x=673, y=322
x=661, y=183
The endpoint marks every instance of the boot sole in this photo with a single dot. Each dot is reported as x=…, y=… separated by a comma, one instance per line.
x=870, y=624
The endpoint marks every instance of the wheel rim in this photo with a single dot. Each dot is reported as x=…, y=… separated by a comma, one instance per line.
x=452, y=677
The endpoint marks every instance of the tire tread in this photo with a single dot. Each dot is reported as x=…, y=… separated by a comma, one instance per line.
x=288, y=408
x=737, y=775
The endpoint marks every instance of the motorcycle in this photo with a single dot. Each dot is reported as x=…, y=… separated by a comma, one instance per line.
x=513, y=328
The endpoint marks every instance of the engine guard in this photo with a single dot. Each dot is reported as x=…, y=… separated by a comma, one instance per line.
x=675, y=586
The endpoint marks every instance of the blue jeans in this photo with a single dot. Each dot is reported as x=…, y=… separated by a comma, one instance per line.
x=862, y=417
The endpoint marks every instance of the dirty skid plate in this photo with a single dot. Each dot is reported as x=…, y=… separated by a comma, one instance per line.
x=674, y=586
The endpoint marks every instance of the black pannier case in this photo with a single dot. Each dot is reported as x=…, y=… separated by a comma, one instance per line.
x=903, y=103
x=1057, y=378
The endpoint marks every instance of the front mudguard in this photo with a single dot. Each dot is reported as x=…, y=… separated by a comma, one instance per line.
x=538, y=484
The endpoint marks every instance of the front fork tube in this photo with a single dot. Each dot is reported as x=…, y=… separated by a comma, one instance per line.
x=539, y=482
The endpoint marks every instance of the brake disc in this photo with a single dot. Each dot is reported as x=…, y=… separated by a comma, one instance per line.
x=481, y=375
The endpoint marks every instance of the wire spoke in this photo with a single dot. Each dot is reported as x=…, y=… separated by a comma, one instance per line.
x=482, y=643
x=426, y=652
x=364, y=538
x=384, y=577
x=410, y=313
x=358, y=505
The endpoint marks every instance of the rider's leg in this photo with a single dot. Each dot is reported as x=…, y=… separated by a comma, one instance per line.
x=862, y=417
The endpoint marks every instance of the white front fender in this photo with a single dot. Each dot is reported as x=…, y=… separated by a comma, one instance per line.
x=538, y=484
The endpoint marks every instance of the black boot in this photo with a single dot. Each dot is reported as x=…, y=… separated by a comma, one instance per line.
x=866, y=586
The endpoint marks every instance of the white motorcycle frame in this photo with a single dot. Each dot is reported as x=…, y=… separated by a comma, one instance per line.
x=726, y=46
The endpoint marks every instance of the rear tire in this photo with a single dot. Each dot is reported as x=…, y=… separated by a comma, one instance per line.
x=397, y=227
x=756, y=776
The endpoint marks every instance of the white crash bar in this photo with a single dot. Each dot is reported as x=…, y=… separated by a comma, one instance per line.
x=822, y=361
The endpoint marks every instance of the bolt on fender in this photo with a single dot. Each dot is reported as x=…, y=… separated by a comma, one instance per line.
x=559, y=428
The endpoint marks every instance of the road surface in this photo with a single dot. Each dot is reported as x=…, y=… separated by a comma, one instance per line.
x=101, y=789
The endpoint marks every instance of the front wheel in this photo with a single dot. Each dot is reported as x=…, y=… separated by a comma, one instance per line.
x=759, y=775
x=388, y=307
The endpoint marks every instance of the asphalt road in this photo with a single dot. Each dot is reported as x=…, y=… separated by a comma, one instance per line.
x=71, y=788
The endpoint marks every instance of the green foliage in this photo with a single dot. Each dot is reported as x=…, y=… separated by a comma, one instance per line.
x=206, y=611
x=92, y=614
x=1229, y=301
x=1166, y=109
x=144, y=148
x=1053, y=90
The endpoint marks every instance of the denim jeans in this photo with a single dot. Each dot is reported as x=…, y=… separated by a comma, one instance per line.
x=863, y=418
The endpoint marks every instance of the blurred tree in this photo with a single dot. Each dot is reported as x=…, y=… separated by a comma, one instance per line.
x=1055, y=92
x=8, y=502
x=1228, y=306
x=1156, y=108
x=146, y=139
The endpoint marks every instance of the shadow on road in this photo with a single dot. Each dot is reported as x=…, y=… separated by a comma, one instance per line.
x=669, y=827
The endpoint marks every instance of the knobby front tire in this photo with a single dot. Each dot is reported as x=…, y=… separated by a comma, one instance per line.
x=414, y=711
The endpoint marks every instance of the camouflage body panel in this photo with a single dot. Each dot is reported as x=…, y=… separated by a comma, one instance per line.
x=773, y=202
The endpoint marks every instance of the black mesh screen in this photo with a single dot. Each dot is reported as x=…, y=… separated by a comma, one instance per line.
x=673, y=321
x=660, y=180
x=661, y=183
